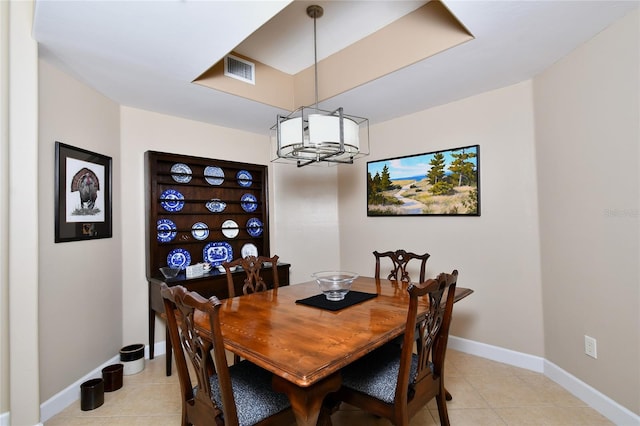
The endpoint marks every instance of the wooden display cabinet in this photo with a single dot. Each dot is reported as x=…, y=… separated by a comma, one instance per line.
x=202, y=210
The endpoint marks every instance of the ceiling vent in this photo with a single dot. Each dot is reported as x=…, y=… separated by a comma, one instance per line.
x=240, y=69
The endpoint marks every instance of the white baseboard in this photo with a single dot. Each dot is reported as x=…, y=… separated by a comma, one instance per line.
x=71, y=394
x=496, y=353
x=613, y=411
x=159, y=349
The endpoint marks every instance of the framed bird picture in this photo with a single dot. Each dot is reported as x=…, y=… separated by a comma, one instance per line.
x=83, y=194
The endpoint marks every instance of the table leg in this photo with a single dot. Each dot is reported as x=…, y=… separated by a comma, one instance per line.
x=307, y=402
x=152, y=332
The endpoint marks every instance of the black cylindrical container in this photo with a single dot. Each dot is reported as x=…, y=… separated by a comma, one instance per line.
x=112, y=376
x=91, y=394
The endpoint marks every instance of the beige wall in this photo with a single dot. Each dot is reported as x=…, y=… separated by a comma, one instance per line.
x=4, y=207
x=497, y=254
x=587, y=144
x=579, y=103
x=80, y=287
x=306, y=219
x=19, y=213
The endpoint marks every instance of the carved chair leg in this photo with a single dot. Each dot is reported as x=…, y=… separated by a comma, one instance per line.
x=442, y=409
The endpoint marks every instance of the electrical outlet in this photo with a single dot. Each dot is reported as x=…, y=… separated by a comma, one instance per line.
x=590, y=347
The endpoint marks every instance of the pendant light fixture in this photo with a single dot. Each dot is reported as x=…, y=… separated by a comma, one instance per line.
x=310, y=135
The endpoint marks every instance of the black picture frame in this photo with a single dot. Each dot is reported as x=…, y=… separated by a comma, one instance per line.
x=83, y=209
x=438, y=183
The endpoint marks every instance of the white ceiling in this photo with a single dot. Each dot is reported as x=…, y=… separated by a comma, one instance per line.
x=144, y=54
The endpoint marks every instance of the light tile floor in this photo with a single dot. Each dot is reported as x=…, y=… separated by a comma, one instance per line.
x=484, y=393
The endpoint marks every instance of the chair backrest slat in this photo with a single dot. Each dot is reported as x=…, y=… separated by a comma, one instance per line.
x=252, y=265
x=400, y=259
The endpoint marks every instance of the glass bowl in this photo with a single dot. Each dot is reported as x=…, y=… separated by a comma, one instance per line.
x=169, y=272
x=334, y=284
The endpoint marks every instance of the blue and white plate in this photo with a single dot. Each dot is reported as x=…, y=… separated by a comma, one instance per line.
x=249, y=203
x=200, y=231
x=181, y=173
x=230, y=229
x=216, y=205
x=166, y=230
x=254, y=227
x=249, y=249
x=179, y=258
x=244, y=178
x=172, y=200
x=218, y=252
x=213, y=175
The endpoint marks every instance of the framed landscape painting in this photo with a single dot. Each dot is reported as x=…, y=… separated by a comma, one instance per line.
x=439, y=183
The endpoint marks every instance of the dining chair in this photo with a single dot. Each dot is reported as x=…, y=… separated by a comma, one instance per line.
x=400, y=260
x=236, y=395
x=252, y=265
x=394, y=382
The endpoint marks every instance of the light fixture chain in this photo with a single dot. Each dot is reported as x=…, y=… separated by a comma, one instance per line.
x=315, y=56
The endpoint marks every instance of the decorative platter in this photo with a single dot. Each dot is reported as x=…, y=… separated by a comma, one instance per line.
x=166, y=230
x=230, y=229
x=249, y=203
x=216, y=205
x=213, y=175
x=181, y=173
x=249, y=249
x=172, y=200
x=217, y=252
x=179, y=258
x=254, y=227
x=200, y=231
x=244, y=178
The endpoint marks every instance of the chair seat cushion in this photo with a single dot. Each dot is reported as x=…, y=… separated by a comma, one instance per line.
x=376, y=374
x=255, y=398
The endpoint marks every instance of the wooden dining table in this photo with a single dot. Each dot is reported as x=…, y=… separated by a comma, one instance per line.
x=305, y=347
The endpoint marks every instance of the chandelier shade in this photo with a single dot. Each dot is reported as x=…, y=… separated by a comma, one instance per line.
x=310, y=135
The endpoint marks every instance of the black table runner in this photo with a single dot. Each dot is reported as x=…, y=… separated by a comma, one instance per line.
x=352, y=298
